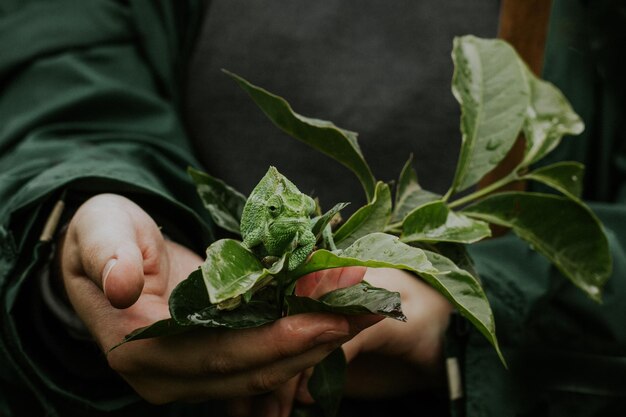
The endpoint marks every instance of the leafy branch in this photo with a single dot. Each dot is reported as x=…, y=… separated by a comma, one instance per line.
x=251, y=282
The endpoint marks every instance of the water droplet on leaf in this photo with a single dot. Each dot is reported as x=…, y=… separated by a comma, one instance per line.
x=493, y=144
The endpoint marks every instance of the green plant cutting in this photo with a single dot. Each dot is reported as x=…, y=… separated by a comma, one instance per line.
x=284, y=234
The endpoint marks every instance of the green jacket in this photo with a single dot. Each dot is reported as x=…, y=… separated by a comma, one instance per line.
x=90, y=103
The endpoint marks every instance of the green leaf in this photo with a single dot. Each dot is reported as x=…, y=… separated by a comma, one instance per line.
x=562, y=229
x=231, y=269
x=224, y=203
x=379, y=250
x=322, y=135
x=327, y=382
x=190, y=306
x=490, y=83
x=566, y=177
x=165, y=327
x=322, y=221
x=434, y=222
x=465, y=292
x=409, y=194
x=548, y=118
x=458, y=254
x=372, y=217
x=361, y=298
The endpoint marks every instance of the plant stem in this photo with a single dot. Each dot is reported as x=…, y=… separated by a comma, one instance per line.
x=391, y=228
x=484, y=191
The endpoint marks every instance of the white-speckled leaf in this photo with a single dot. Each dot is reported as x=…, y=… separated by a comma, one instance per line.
x=230, y=270
x=563, y=230
x=548, y=118
x=490, y=83
x=566, y=177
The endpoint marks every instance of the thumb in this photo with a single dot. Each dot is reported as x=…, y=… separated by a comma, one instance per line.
x=105, y=237
x=122, y=275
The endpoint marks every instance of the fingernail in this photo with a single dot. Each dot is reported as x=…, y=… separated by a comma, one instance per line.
x=106, y=271
x=331, y=336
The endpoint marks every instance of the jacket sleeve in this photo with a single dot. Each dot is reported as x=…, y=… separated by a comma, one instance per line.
x=89, y=104
x=566, y=353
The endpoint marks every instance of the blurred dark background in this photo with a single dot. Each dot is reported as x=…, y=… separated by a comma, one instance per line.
x=380, y=68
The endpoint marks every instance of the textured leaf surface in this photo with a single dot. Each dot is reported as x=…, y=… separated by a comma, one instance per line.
x=190, y=305
x=322, y=135
x=548, y=118
x=566, y=177
x=434, y=222
x=360, y=298
x=370, y=218
x=230, y=270
x=562, y=229
x=490, y=83
x=224, y=203
x=379, y=250
x=465, y=292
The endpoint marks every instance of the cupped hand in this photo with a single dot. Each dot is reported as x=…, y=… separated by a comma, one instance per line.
x=410, y=353
x=118, y=272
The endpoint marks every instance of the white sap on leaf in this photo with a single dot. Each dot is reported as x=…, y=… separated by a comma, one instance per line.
x=196, y=318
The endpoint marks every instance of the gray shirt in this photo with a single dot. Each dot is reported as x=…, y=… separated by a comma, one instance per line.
x=380, y=68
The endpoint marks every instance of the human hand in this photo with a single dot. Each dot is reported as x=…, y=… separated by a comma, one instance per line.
x=279, y=402
x=118, y=272
x=409, y=352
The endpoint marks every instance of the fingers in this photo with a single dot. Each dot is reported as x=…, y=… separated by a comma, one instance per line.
x=160, y=389
x=318, y=283
x=110, y=240
x=230, y=351
x=232, y=363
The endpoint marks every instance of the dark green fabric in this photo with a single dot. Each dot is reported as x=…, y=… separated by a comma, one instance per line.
x=89, y=103
x=566, y=354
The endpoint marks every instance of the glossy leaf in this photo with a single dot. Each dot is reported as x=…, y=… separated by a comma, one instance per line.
x=562, y=229
x=409, y=194
x=465, y=292
x=224, y=203
x=566, y=177
x=370, y=218
x=490, y=84
x=434, y=222
x=361, y=298
x=548, y=118
x=231, y=269
x=190, y=305
x=379, y=250
x=327, y=382
x=322, y=135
